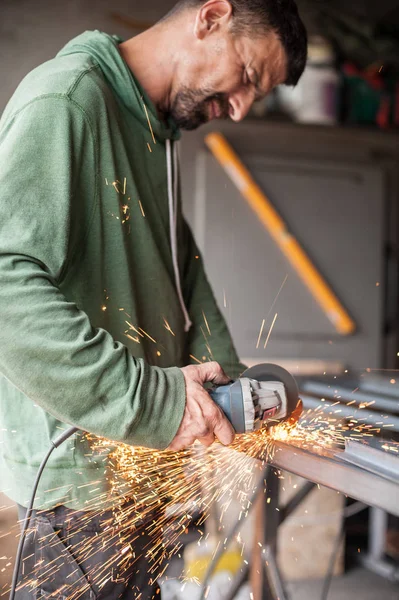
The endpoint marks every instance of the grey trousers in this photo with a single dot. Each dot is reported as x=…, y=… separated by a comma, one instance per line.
x=64, y=558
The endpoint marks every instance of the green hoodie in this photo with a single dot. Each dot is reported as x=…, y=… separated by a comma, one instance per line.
x=95, y=281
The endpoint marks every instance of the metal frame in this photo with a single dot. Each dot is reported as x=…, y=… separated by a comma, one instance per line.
x=330, y=472
x=327, y=470
x=375, y=559
x=363, y=415
x=273, y=587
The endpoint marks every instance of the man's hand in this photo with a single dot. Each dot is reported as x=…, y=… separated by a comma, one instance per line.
x=202, y=419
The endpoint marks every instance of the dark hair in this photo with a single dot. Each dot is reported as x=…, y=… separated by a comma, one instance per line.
x=256, y=17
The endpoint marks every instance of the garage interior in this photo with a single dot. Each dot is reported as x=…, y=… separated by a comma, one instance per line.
x=328, y=167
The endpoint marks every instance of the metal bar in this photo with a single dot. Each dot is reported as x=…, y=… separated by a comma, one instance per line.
x=299, y=497
x=270, y=524
x=345, y=395
x=347, y=479
x=230, y=535
x=271, y=508
x=273, y=586
x=276, y=586
x=375, y=460
x=375, y=560
x=383, y=568
x=380, y=384
x=272, y=221
x=347, y=412
x=378, y=524
x=238, y=583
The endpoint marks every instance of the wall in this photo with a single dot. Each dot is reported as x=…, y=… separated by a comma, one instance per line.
x=33, y=32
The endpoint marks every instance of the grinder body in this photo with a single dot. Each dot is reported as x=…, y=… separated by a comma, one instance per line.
x=262, y=396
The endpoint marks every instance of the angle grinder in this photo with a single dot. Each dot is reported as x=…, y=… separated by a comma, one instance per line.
x=264, y=395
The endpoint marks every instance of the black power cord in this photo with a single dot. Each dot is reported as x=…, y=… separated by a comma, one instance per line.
x=54, y=444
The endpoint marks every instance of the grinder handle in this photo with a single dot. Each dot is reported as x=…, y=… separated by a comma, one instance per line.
x=229, y=399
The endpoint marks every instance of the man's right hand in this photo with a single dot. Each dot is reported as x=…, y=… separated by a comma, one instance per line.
x=202, y=419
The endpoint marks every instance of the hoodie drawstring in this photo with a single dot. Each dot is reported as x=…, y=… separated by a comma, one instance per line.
x=172, y=170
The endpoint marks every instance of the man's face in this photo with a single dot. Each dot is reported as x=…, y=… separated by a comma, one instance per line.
x=226, y=77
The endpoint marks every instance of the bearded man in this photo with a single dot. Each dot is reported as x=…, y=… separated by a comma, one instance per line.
x=91, y=230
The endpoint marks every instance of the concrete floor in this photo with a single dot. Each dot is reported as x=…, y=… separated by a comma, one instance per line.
x=358, y=584
x=355, y=585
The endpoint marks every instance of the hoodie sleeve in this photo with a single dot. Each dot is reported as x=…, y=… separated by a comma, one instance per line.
x=209, y=335
x=48, y=347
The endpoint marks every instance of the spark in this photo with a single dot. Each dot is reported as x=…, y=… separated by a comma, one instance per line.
x=168, y=327
x=167, y=488
x=277, y=296
x=148, y=335
x=195, y=359
x=270, y=330
x=149, y=123
x=141, y=208
x=132, y=327
x=261, y=332
x=206, y=323
x=115, y=186
x=270, y=310
x=149, y=147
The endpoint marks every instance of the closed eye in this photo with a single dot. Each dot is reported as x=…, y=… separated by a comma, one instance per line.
x=253, y=80
x=245, y=78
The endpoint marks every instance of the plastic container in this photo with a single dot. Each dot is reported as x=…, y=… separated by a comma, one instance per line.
x=316, y=97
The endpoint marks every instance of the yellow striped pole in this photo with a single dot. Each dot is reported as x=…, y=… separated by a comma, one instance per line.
x=272, y=221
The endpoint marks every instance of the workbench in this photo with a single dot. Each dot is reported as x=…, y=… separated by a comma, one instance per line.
x=329, y=471
x=380, y=493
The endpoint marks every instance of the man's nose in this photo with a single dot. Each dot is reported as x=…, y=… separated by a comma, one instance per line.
x=240, y=104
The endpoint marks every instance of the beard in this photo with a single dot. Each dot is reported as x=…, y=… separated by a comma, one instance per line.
x=192, y=108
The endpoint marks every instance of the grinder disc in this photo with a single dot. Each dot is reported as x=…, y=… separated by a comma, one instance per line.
x=270, y=372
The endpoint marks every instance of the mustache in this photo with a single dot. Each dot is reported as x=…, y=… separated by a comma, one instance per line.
x=222, y=102
x=191, y=107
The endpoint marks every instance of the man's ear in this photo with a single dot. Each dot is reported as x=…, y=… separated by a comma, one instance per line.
x=213, y=15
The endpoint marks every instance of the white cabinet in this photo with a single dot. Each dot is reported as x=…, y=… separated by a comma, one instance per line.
x=336, y=207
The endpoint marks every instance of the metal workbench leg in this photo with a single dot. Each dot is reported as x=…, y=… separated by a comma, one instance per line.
x=375, y=560
x=378, y=533
x=273, y=586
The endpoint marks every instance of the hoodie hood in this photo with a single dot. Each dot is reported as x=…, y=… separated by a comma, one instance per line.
x=104, y=50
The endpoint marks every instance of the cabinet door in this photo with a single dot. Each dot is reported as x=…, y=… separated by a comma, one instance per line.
x=336, y=211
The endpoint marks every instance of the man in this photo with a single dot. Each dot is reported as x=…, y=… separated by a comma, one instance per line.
x=102, y=291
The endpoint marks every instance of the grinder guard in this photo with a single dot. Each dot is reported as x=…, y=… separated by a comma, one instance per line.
x=249, y=407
